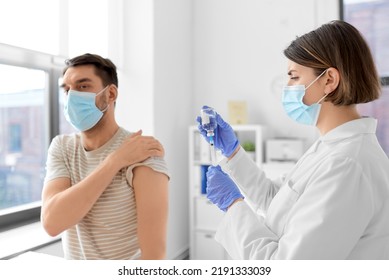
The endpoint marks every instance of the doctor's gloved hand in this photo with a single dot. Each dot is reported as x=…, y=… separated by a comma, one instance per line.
x=225, y=139
x=221, y=190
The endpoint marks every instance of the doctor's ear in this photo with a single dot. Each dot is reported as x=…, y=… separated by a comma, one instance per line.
x=332, y=77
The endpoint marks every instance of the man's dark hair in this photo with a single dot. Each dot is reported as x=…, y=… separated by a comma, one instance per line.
x=104, y=68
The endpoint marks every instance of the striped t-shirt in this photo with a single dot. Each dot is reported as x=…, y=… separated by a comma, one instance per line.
x=109, y=230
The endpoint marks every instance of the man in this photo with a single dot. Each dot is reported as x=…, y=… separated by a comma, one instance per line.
x=105, y=188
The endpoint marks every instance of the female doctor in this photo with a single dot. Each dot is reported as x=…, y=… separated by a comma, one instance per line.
x=334, y=204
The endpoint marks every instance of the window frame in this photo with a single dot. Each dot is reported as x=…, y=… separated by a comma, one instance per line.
x=52, y=65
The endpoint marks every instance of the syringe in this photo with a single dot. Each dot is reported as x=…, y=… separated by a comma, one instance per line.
x=212, y=150
x=208, y=122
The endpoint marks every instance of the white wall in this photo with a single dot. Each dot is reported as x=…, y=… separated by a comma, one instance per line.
x=135, y=101
x=181, y=54
x=172, y=107
x=156, y=93
x=238, y=54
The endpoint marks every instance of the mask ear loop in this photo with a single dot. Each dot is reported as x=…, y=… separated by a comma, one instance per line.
x=106, y=108
x=321, y=99
x=317, y=78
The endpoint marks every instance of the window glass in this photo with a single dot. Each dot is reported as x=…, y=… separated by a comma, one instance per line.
x=371, y=19
x=23, y=135
x=64, y=126
x=57, y=27
x=88, y=27
x=31, y=24
x=379, y=110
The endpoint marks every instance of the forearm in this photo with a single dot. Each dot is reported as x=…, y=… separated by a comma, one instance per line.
x=245, y=235
x=257, y=188
x=66, y=208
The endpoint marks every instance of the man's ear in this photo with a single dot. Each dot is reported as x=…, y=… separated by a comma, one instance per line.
x=113, y=93
x=332, y=77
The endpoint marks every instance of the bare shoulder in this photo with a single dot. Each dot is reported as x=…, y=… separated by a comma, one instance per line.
x=146, y=176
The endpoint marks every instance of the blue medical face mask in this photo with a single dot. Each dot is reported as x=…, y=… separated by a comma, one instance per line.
x=80, y=109
x=292, y=101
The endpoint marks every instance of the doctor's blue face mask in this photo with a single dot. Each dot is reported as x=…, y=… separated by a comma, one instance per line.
x=80, y=109
x=292, y=101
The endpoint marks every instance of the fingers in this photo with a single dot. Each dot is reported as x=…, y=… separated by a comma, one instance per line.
x=151, y=146
x=147, y=144
x=200, y=127
x=214, y=169
x=220, y=121
x=157, y=152
x=198, y=119
x=138, y=133
x=137, y=136
x=156, y=148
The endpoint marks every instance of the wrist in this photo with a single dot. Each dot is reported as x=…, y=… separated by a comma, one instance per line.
x=234, y=152
x=114, y=162
x=235, y=201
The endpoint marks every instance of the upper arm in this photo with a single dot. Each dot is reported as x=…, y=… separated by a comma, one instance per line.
x=151, y=195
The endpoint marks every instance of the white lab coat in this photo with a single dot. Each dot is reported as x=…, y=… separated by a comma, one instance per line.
x=334, y=204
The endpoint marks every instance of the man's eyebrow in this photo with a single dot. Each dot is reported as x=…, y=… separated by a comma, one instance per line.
x=83, y=80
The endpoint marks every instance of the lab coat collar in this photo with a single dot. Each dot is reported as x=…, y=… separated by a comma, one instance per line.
x=364, y=125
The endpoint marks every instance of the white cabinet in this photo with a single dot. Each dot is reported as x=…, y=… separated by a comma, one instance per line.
x=204, y=216
x=206, y=247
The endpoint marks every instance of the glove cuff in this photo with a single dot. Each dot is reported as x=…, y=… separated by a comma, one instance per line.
x=233, y=148
x=230, y=201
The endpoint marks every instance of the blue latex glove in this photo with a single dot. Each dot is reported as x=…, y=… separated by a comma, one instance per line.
x=225, y=139
x=221, y=190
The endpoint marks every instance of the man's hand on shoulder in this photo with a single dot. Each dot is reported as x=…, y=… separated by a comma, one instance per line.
x=137, y=148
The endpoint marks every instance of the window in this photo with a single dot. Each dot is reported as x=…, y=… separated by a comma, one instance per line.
x=93, y=37
x=57, y=27
x=33, y=47
x=15, y=138
x=31, y=22
x=28, y=108
x=23, y=145
x=371, y=19
x=64, y=126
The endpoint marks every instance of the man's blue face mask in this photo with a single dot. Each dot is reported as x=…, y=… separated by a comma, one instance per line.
x=80, y=109
x=292, y=101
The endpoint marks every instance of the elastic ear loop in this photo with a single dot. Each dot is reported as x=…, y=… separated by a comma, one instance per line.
x=317, y=78
x=106, y=108
x=321, y=99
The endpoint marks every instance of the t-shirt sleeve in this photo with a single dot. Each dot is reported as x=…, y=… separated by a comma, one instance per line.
x=56, y=162
x=158, y=164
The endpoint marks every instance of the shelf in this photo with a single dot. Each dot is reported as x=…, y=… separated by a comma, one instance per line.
x=204, y=217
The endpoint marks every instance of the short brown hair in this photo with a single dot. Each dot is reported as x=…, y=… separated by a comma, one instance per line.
x=338, y=44
x=104, y=68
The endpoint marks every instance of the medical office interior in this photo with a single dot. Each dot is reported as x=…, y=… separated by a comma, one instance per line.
x=173, y=57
